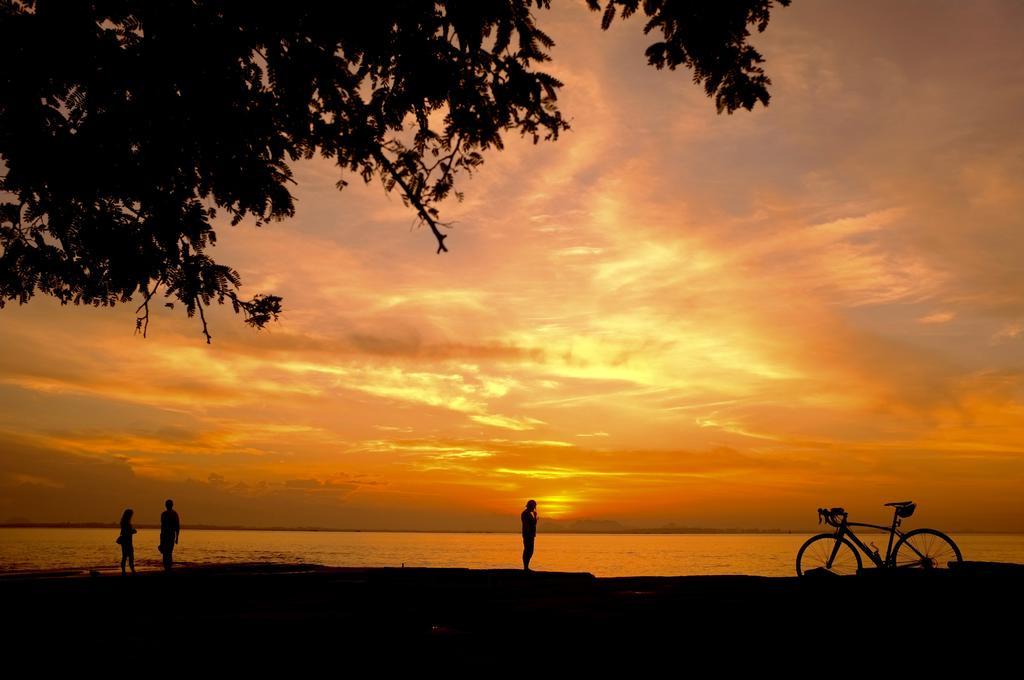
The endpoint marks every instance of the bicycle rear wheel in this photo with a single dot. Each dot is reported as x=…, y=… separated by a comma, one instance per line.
x=816, y=555
x=925, y=549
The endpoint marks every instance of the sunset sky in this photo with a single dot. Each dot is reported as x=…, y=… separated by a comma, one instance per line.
x=666, y=316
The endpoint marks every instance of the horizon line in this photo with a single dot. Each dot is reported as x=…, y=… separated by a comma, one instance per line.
x=623, y=531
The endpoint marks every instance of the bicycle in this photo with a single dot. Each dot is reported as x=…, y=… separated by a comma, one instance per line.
x=833, y=553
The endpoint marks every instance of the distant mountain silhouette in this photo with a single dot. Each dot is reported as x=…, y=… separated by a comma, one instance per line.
x=605, y=526
x=548, y=525
x=583, y=526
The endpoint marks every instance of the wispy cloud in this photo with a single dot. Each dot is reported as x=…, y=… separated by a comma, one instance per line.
x=667, y=313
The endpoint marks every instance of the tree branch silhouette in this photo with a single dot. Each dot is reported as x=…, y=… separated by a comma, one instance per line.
x=413, y=198
x=127, y=127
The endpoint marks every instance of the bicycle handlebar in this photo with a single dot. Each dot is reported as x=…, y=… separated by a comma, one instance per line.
x=831, y=516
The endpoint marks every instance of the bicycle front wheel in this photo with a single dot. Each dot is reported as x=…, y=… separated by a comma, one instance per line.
x=817, y=554
x=925, y=549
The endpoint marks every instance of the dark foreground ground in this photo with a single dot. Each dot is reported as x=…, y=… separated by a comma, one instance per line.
x=260, y=617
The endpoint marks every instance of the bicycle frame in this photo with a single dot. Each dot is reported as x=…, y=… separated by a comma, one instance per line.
x=843, y=530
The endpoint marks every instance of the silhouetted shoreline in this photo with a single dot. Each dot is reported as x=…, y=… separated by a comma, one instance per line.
x=457, y=616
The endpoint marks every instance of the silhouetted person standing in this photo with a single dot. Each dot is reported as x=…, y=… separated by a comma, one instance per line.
x=170, y=526
x=125, y=539
x=529, y=517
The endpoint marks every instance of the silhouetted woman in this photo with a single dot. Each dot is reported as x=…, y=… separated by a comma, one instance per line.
x=529, y=517
x=125, y=539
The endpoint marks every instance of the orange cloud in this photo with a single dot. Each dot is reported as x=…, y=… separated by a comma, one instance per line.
x=666, y=316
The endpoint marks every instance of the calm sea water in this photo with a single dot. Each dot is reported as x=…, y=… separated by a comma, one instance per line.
x=600, y=554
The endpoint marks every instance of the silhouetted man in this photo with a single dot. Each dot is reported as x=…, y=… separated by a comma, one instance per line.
x=529, y=518
x=170, y=527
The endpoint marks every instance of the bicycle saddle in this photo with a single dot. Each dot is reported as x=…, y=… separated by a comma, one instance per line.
x=899, y=504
